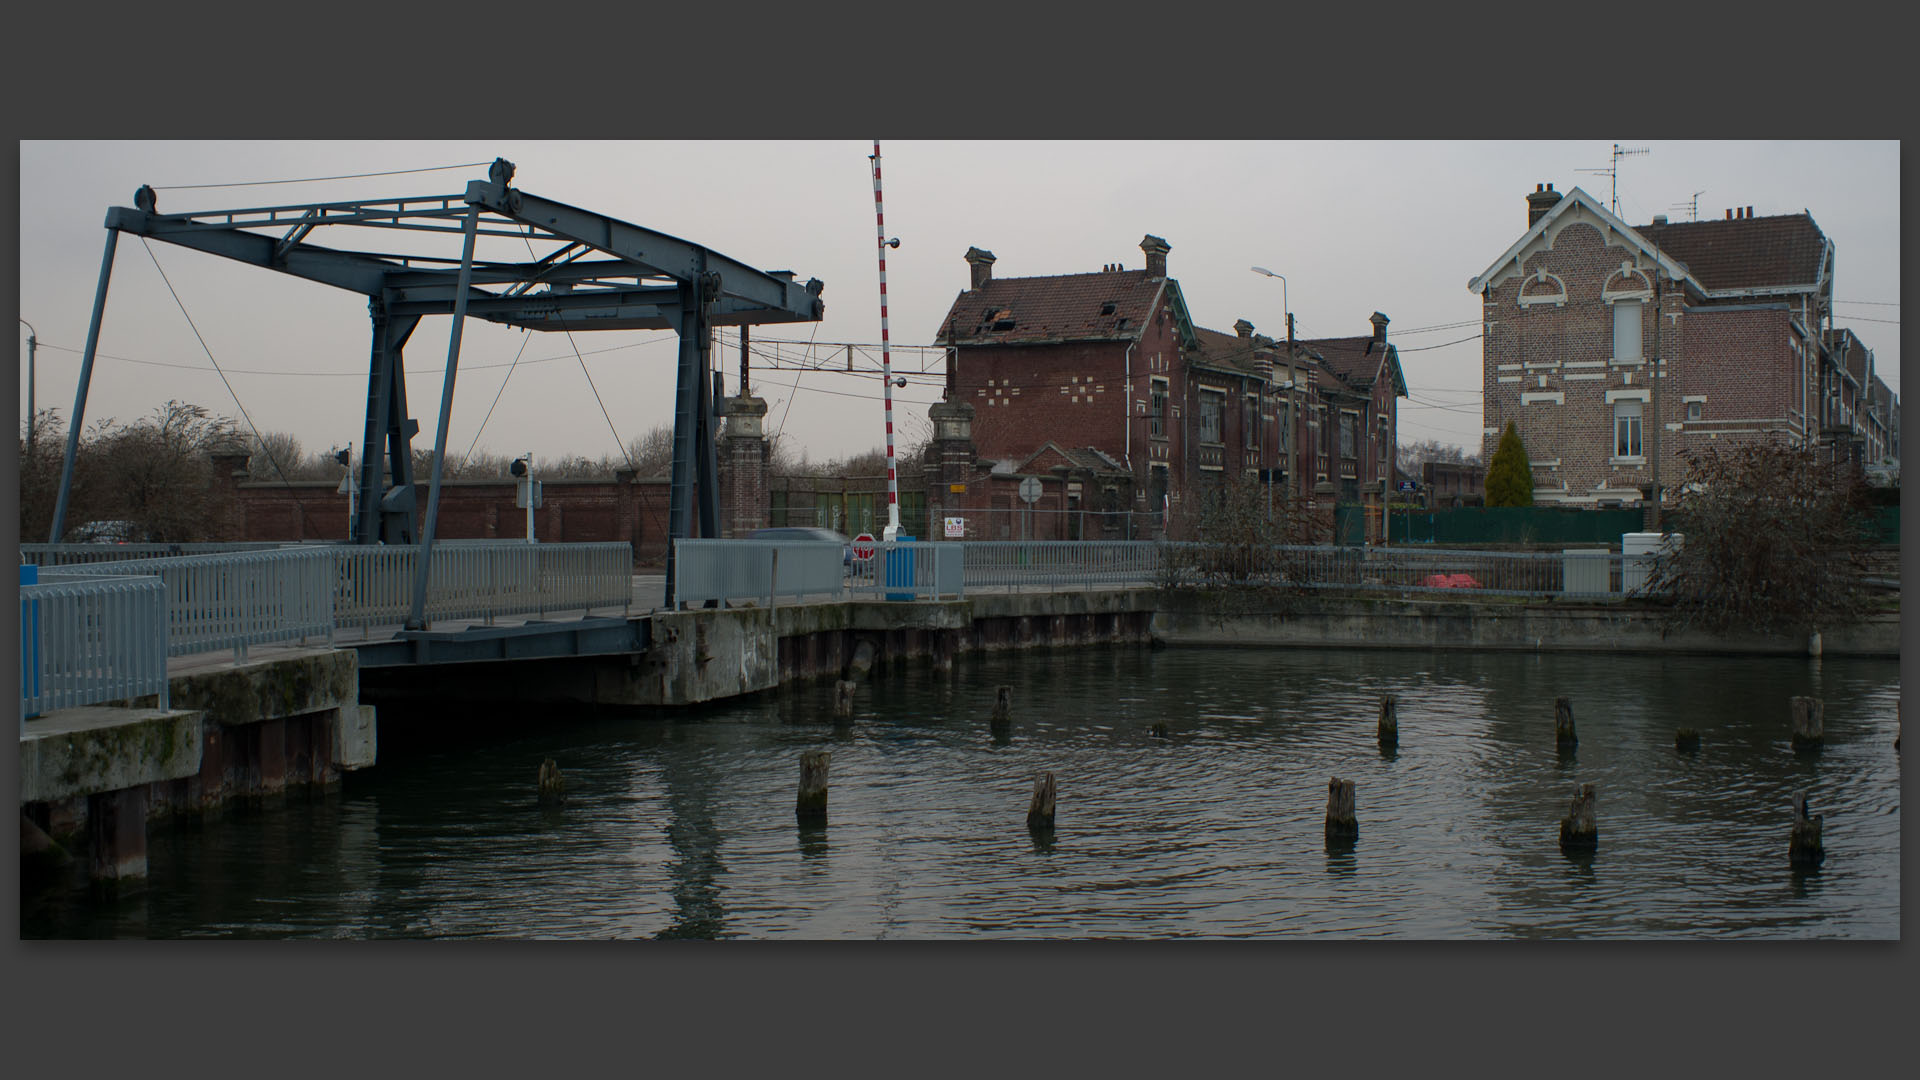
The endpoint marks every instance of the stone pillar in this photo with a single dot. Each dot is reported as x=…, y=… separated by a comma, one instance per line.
x=952, y=461
x=743, y=492
x=230, y=515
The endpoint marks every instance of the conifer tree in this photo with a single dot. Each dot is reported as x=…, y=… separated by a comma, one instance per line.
x=1509, y=477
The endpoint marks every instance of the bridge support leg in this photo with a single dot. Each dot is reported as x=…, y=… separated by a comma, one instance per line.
x=75, y=422
x=695, y=470
x=417, y=619
x=389, y=432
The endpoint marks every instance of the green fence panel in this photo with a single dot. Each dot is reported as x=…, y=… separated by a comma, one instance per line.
x=1545, y=526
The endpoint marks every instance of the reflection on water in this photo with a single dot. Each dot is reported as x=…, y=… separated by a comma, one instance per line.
x=1191, y=802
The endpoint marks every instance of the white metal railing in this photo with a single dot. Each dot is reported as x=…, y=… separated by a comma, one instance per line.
x=764, y=570
x=87, y=640
x=234, y=599
x=373, y=584
x=1062, y=564
x=76, y=554
x=912, y=570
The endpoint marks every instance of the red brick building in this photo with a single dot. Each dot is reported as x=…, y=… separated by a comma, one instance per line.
x=1738, y=310
x=1101, y=386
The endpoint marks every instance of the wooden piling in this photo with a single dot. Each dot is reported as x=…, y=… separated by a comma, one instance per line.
x=1809, y=722
x=812, y=804
x=1158, y=731
x=1341, y=823
x=1002, y=718
x=1577, y=829
x=1389, y=722
x=1563, y=733
x=553, y=786
x=1040, y=810
x=843, y=699
x=1686, y=740
x=1804, y=849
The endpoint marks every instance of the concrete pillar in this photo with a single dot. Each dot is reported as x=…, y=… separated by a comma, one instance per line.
x=743, y=492
x=952, y=464
x=117, y=834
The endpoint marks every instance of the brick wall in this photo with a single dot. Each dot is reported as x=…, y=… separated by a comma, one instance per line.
x=1550, y=366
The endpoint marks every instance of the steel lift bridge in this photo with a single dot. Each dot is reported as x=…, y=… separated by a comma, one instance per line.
x=605, y=275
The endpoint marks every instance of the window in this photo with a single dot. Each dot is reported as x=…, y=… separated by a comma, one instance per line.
x=1212, y=404
x=1693, y=410
x=1250, y=421
x=1349, y=435
x=1626, y=429
x=1157, y=408
x=1626, y=330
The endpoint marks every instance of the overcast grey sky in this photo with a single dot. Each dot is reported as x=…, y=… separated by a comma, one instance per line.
x=1397, y=227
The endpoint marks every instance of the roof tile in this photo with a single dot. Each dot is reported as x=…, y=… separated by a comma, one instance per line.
x=1744, y=253
x=1113, y=305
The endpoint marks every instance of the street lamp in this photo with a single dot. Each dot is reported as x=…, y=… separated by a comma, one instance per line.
x=32, y=335
x=1286, y=432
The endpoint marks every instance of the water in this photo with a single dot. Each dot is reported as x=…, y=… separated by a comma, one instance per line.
x=685, y=827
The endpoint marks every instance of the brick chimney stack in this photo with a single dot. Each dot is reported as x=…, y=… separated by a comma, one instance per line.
x=1379, y=322
x=982, y=264
x=1156, y=250
x=1541, y=201
x=1243, y=328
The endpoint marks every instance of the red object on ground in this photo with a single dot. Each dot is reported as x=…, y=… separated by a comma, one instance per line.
x=1449, y=581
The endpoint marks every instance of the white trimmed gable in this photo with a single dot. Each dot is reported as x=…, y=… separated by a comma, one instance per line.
x=1576, y=207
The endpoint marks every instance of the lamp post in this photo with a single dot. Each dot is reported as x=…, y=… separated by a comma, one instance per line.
x=1286, y=432
x=32, y=335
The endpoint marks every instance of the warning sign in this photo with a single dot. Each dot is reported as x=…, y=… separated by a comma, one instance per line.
x=956, y=528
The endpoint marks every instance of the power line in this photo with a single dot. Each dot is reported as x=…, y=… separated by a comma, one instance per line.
x=1442, y=345
x=1869, y=303
x=344, y=374
x=315, y=179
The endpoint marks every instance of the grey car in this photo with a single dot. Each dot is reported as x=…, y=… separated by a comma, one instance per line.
x=793, y=533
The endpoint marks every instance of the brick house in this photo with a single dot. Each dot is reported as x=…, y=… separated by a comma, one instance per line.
x=1101, y=385
x=1739, y=311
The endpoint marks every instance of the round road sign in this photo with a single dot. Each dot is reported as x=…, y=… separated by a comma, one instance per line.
x=1030, y=489
x=863, y=546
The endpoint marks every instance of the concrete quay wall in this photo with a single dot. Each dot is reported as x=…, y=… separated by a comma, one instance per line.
x=94, y=777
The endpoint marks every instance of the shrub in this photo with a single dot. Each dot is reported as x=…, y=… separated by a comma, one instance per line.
x=1509, y=477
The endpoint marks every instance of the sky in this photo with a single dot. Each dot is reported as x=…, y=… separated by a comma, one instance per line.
x=1355, y=227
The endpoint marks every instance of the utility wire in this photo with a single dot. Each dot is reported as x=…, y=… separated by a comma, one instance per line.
x=1442, y=345
x=258, y=438
x=313, y=179
x=468, y=456
x=337, y=374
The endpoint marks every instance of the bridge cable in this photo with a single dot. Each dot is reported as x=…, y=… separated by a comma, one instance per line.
x=311, y=179
x=278, y=468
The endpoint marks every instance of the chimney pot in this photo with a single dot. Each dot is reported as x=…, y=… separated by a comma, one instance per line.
x=1749, y=211
x=1243, y=328
x=1659, y=219
x=1729, y=215
x=1541, y=201
x=981, y=263
x=1156, y=250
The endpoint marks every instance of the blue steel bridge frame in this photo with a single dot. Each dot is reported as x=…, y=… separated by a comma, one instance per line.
x=605, y=274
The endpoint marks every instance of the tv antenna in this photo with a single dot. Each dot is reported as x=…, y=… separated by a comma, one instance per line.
x=1691, y=206
x=1612, y=171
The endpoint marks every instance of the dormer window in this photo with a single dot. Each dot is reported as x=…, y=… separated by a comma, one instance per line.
x=1107, y=308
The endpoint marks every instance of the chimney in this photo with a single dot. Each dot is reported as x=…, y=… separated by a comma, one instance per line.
x=1729, y=215
x=1659, y=219
x=1379, y=322
x=1541, y=201
x=982, y=264
x=1156, y=250
x=1749, y=211
x=1243, y=328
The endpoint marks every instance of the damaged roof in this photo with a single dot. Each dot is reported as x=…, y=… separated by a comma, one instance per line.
x=1112, y=305
x=1357, y=360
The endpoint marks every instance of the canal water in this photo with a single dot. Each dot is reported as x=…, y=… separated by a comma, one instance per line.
x=685, y=828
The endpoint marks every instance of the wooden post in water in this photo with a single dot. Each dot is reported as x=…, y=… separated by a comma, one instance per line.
x=1686, y=740
x=1002, y=718
x=553, y=787
x=1040, y=810
x=1563, y=733
x=1809, y=722
x=812, y=804
x=1804, y=849
x=1341, y=823
x=1158, y=731
x=843, y=699
x=1577, y=830
x=1389, y=722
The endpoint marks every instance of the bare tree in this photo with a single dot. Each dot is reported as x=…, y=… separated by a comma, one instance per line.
x=1409, y=456
x=1773, y=540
